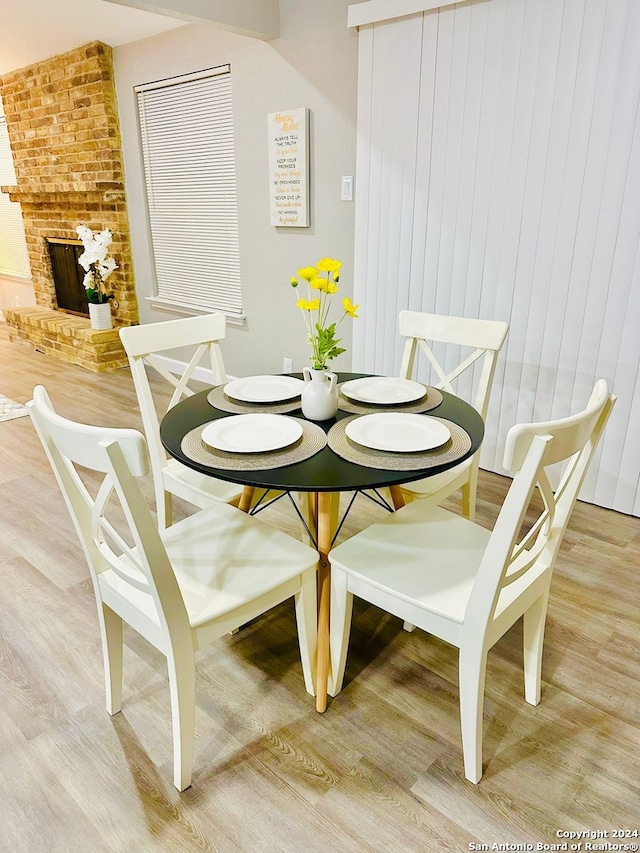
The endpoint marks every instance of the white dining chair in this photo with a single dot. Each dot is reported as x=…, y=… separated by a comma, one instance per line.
x=199, y=338
x=180, y=588
x=478, y=342
x=465, y=584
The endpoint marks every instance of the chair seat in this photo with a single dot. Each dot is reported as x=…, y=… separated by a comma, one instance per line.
x=426, y=556
x=403, y=553
x=198, y=488
x=222, y=559
x=439, y=482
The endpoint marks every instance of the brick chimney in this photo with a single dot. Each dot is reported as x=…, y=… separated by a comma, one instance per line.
x=64, y=132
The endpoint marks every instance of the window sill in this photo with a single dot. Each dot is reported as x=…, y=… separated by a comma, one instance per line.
x=194, y=310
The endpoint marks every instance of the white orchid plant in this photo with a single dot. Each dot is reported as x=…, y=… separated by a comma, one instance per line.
x=97, y=265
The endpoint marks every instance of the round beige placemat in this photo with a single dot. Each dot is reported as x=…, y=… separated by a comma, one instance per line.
x=312, y=440
x=217, y=398
x=457, y=446
x=431, y=399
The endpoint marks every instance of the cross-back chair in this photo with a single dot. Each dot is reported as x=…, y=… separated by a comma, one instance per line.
x=465, y=584
x=144, y=346
x=485, y=339
x=180, y=588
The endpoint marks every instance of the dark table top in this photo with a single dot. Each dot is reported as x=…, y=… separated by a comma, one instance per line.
x=324, y=472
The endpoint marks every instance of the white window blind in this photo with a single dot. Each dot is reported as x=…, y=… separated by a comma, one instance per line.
x=186, y=126
x=498, y=168
x=14, y=260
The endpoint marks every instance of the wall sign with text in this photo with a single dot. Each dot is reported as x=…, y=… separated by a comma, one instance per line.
x=289, y=167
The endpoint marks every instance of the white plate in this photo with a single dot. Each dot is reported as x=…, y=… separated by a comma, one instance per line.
x=252, y=433
x=399, y=432
x=383, y=390
x=264, y=389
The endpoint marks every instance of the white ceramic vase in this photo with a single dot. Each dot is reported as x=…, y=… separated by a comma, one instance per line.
x=100, y=315
x=319, y=397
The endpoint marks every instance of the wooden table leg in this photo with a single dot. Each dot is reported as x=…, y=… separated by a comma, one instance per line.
x=324, y=593
x=396, y=496
x=245, y=498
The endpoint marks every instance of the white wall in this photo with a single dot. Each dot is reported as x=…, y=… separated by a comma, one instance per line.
x=313, y=64
x=15, y=292
x=16, y=288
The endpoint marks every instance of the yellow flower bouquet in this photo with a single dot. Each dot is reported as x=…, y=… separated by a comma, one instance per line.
x=322, y=280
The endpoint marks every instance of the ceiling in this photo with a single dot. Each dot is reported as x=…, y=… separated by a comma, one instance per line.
x=33, y=30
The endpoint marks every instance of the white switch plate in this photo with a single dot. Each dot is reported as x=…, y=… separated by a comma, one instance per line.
x=346, y=188
x=287, y=365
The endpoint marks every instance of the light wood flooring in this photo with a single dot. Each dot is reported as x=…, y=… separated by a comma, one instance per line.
x=381, y=770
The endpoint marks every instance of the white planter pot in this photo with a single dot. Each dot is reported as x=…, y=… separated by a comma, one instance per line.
x=100, y=315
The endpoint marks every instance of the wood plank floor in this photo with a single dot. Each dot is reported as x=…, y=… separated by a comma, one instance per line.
x=381, y=770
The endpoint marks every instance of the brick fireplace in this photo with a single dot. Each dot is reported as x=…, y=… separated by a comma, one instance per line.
x=65, y=138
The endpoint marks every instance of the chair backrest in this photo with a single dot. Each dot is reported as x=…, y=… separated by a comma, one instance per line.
x=514, y=558
x=484, y=337
x=116, y=528
x=143, y=344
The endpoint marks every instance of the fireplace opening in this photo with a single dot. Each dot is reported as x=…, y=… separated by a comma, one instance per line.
x=68, y=275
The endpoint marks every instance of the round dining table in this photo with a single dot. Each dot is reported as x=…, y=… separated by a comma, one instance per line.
x=323, y=475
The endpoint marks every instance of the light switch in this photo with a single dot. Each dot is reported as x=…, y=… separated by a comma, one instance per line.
x=346, y=192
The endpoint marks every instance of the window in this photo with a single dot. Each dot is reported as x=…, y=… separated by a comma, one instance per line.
x=186, y=126
x=14, y=260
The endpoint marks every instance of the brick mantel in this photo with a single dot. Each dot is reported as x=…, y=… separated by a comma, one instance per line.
x=64, y=132
x=50, y=193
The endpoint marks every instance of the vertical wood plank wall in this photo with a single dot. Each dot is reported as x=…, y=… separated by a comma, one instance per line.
x=498, y=176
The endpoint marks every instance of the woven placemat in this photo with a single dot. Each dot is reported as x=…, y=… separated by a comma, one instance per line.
x=431, y=399
x=217, y=398
x=457, y=446
x=312, y=440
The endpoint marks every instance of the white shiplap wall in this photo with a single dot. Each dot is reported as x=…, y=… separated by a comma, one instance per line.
x=498, y=176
